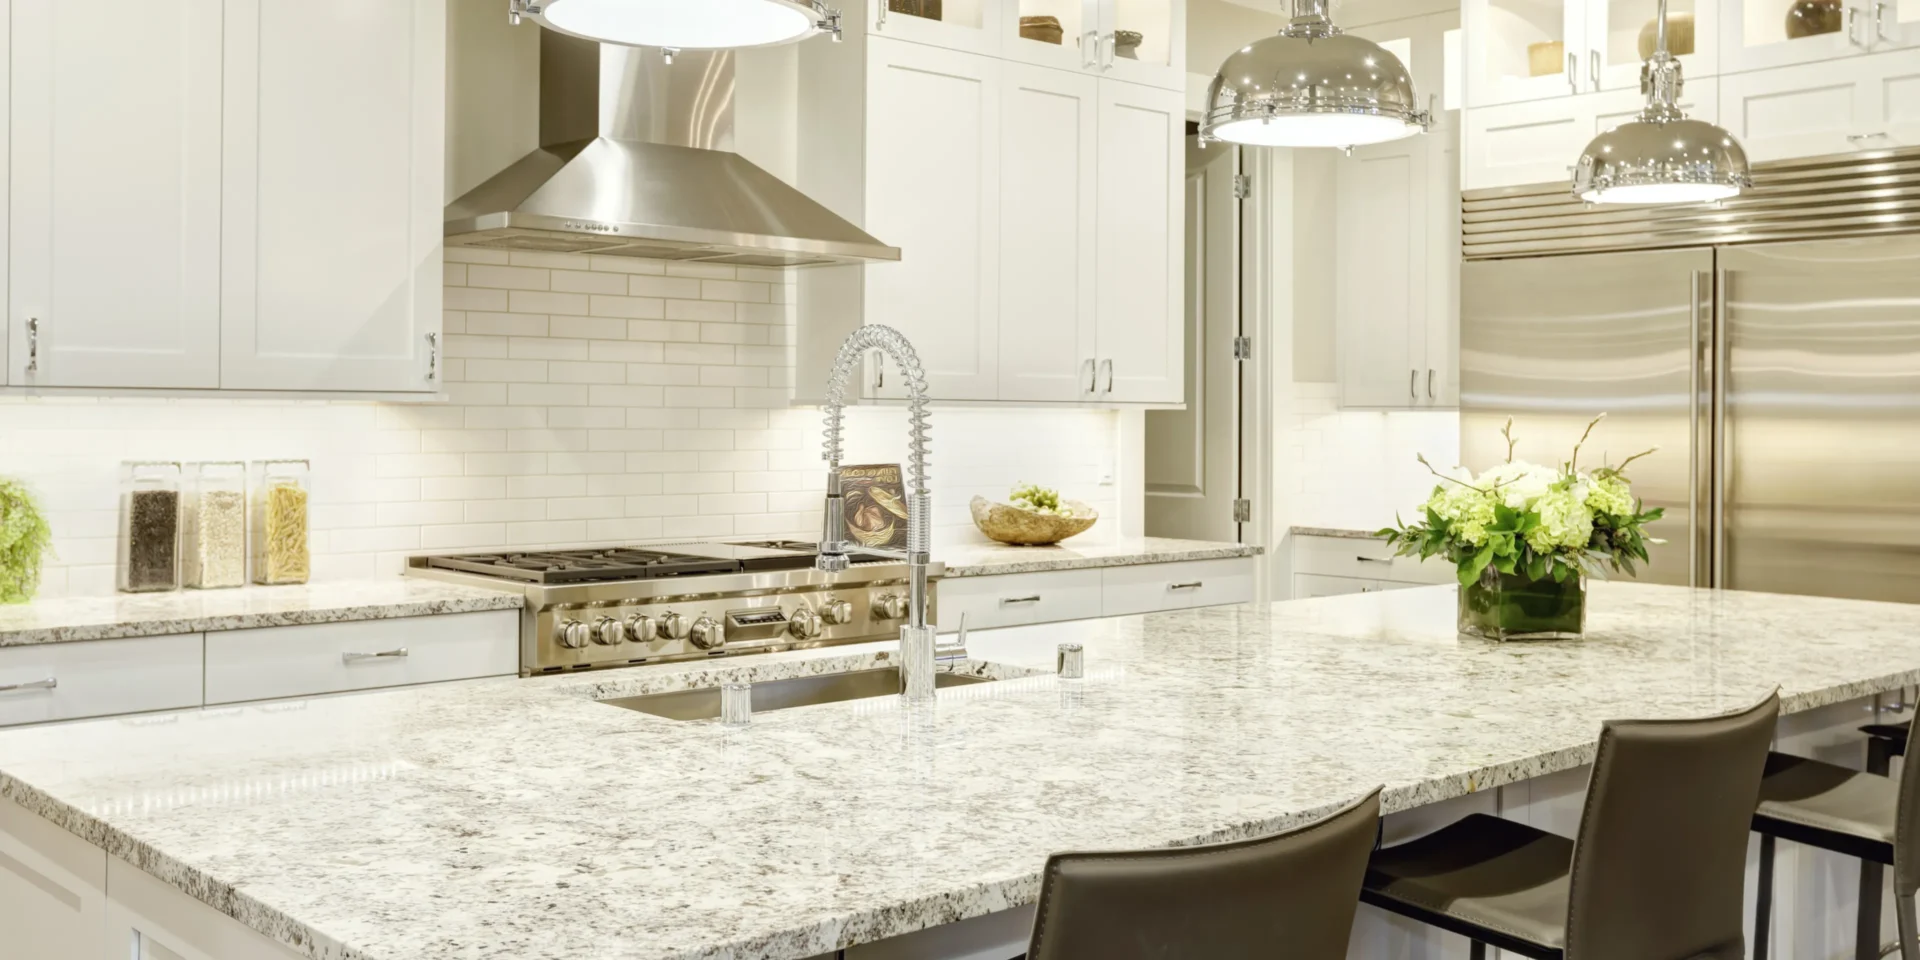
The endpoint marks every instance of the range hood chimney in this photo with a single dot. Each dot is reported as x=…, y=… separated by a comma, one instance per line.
x=634, y=161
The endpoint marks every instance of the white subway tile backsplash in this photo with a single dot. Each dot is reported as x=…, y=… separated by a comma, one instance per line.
x=595, y=399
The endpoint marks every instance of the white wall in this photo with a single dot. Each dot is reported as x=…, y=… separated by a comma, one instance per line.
x=593, y=400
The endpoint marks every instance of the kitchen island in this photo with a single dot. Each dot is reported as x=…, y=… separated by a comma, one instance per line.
x=522, y=819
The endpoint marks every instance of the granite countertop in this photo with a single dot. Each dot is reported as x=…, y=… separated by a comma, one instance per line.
x=195, y=611
x=1341, y=532
x=993, y=559
x=520, y=820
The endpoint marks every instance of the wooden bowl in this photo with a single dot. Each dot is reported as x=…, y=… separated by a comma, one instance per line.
x=1010, y=524
x=1043, y=29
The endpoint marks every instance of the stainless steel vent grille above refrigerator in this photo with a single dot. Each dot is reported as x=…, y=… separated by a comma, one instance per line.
x=1781, y=382
x=1848, y=195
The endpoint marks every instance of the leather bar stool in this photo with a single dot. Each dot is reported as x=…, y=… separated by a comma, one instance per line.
x=1884, y=742
x=1860, y=814
x=1290, y=895
x=1656, y=872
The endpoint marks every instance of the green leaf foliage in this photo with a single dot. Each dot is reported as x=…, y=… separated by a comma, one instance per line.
x=24, y=537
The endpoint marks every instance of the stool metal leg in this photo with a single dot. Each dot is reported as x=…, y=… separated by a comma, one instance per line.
x=1478, y=951
x=1763, y=899
x=1866, y=945
x=1879, y=757
x=1909, y=947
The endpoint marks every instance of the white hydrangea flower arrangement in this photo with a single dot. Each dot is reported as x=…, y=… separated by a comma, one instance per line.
x=1532, y=521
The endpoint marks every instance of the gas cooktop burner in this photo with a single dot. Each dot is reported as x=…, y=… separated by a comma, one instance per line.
x=584, y=566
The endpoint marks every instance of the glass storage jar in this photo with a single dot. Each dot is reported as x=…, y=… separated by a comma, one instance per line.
x=280, y=521
x=213, y=512
x=149, y=526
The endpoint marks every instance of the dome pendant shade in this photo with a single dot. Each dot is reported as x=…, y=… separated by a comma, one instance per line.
x=1312, y=86
x=685, y=24
x=1661, y=156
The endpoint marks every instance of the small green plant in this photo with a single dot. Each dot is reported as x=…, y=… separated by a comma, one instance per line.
x=1526, y=519
x=24, y=536
x=1038, y=499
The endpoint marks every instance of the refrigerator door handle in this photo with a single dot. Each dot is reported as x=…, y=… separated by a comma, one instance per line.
x=1694, y=363
x=1720, y=372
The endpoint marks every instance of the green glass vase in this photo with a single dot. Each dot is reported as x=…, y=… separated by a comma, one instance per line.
x=1511, y=606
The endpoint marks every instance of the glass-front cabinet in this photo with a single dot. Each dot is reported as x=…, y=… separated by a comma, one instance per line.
x=1140, y=41
x=1520, y=50
x=1758, y=34
x=970, y=25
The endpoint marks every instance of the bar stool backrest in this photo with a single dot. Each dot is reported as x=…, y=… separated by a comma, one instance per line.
x=1660, y=860
x=1289, y=895
x=1906, y=827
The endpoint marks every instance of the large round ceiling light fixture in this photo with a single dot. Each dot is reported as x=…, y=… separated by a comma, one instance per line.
x=1312, y=86
x=1661, y=156
x=684, y=24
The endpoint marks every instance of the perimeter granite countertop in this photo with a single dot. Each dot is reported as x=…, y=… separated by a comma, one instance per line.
x=1341, y=532
x=521, y=820
x=994, y=559
x=195, y=611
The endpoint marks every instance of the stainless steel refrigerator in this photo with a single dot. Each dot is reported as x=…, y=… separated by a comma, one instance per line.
x=1781, y=382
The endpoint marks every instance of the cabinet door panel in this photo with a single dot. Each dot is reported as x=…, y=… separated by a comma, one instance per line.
x=1080, y=47
x=1382, y=308
x=1614, y=39
x=1803, y=111
x=1142, y=204
x=1753, y=35
x=52, y=890
x=1524, y=142
x=1519, y=50
x=334, y=145
x=1049, y=139
x=933, y=170
x=1160, y=59
x=1893, y=100
x=115, y=168
x=972, y=26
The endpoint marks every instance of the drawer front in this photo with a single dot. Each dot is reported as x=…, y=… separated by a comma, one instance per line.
x=318, y=658
x=1176, y=586
x=1364, y=560
x=99, y=678
x=1021, y=598
x=1306, y=586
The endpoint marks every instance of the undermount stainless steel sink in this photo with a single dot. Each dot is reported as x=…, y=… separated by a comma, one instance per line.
x=704, y=704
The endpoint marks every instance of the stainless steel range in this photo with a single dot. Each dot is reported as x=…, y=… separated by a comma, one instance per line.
x=613, y=607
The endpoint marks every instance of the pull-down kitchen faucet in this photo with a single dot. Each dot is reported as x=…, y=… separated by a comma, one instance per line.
x=920, y=651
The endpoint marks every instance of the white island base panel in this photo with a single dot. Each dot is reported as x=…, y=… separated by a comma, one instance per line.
x=519, y=820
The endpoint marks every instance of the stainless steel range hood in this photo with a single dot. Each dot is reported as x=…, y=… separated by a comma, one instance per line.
x=634, y=162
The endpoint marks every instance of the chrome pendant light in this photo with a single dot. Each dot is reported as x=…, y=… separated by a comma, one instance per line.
x=1661, y=156
x=683, y=24
x=1312, y=86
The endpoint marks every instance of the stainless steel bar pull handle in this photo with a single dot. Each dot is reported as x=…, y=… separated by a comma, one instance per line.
x=1430, y=395
x=1093, y=376
x=433, y=356
x=399, y=654
x=1374, y=559
x=1107, y=365
x=1413, y=384
x=1195, y=585
x=1722, y=373
x=880, y=19
x=1090, y=48
x=1016, y=601
x=1573, y=72
x=47, y=684
x=33, y=344
x=1880, y=19
x=1694, y=363
x=1593, y=68
x=1853, y=18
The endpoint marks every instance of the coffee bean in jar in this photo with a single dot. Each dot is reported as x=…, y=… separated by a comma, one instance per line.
x=149, y=526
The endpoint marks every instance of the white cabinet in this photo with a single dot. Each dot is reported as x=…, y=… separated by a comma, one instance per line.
x=1538, y=142
x=1017, y=599
x=52, y=890
x=1307, y=586
x=974, y=26
x=66, y=681
x=1397, y=258
x=1332, y=566
x=1857, y=103
x=115, y=169
x=1141, y=332
x=1175, y=586
x=1764, y=34
x=1523, y=50
x=309, y=659
x=933, y=190
x=1049, y=288
x=1089, y=39
x=1040, y=215
x=332, y=194
x=147, y=919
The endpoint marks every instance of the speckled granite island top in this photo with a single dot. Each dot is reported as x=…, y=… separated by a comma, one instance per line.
x=521, y=820
x=194, y=611
x=994, y=559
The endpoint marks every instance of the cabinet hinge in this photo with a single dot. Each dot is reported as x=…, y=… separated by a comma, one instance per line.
x=1242, y=186
x=1243, y=348
x=1243, y=511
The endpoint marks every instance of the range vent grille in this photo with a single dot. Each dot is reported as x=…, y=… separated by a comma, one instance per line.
x=1846, y=195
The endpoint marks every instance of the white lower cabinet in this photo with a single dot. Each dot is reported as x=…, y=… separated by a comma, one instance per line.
x=98, y=678
x=1017, y=599
x=1306, y=586
x=150, y=920
x=53, y=891
x=318, y=658
x=1332, y=566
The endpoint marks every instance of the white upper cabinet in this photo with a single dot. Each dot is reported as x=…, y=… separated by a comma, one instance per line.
x=933, y=172
x=332, y=202
x=1521, y=50
x=1858, y=103
x=1538, y=142
x=1138, y=41
x=1048, y=254
x=1382, y=306
x=1146, y=42
x=1759, y=34
x=114, y=232
x=1141, y=332
x=974, y=26
x=1620, y=37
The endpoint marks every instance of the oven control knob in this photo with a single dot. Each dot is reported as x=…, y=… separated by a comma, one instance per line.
x=805, y=624
x=676, y=626
x=642, y=629
x=706, y=634
x=608, y=632
x=890, y=606
x=836, y=611
x=573, y=634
